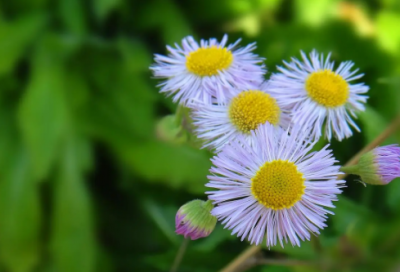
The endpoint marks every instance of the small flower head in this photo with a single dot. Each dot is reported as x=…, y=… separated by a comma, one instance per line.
x=379, y=166
x=273, y=187
x=194, y=220
x=207, y=71
x=219, y=124
x=319, y=95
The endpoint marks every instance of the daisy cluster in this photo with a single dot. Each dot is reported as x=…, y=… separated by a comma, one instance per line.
x=268, y=183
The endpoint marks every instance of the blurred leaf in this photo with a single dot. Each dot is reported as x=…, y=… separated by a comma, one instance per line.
x=306, y=250
x=78, y=90
x=124, y=105
x=15, y=37
x=216, y=13
x=314, y=13
x=136, y=56
x=122, y=112
x=84, y=154
x=391, y=4
x=373, y=123
x=72, y=238
x=8, y=137
x=218, y=236
x=105, y=262
x=20, y=215
x=167, y=130
x=173, y=30
x=355, y=221
x=42, y=112
x=193, y=261
x=73, y=16
x=174, y=165
x=103, y=7
x=387, y=99
x=349, y=213
x=387, y=30
x=164, y=221
x=273, y=268
x=161, y=262
x=393, y=195
x=24, y=6
x=300, y=268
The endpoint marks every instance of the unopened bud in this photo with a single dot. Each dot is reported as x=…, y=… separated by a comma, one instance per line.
x=194, y=219
x=378, y=166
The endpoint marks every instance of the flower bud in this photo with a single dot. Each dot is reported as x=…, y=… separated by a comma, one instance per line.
x=378, y=166
x=194, y=219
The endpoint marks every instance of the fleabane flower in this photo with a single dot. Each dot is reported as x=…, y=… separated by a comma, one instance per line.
x=194, y=220
x=220, y=124
x=320, y=95
x=207, y=71
x=274, y=187
x=378, y=166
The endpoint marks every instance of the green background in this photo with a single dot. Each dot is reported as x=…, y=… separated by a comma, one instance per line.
x=94, y=165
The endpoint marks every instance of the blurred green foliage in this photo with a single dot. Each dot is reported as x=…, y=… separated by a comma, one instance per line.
x=95, y=163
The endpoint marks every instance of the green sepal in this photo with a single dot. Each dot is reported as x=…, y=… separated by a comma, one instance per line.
x=366, y=168
x=198, y=214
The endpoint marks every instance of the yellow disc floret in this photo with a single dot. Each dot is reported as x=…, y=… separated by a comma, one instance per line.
x=327, y=88
x=278, y=184
x=252, y=108
x=208, y=61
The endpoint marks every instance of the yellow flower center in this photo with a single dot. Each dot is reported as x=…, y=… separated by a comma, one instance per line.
x=208, y=61
x=252, y=108
x=278, y=184
x=327, y=88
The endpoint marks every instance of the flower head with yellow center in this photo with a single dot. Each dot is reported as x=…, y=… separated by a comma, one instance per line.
x=219, y=124
x=273, y=187
x=320, y=97
x=208, y=71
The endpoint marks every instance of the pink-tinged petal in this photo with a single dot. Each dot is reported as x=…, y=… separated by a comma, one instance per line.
x=194, y=220
x=238, y=209
x=289, y=86
x=246, y=71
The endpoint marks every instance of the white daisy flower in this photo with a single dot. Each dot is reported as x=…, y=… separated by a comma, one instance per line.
x=220, y=124
x=320, y=95
x=274, y=187
x=207, y=71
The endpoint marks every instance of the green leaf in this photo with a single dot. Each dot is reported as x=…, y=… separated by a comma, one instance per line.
x=103, y=7
x=122, y=112
x=176, y=166
x=73, y=16
x=72, y=235
x=217, y=237
x=274, y=268
x=314, y=13
x=125, y=104
x=15, y=37
x=42, y=112
x=393, y=194
x=355, y=221
x=136, y=56
x=20, y=215
x=8, y=137
x=387, y=30
x=373, y=123
x=306, y=250
x=168, y=130
x=163, y=218
x=172, y=30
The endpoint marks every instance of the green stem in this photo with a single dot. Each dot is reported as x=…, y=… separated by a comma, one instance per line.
x=208, y=205
x=351, y=169
x=179, y=255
